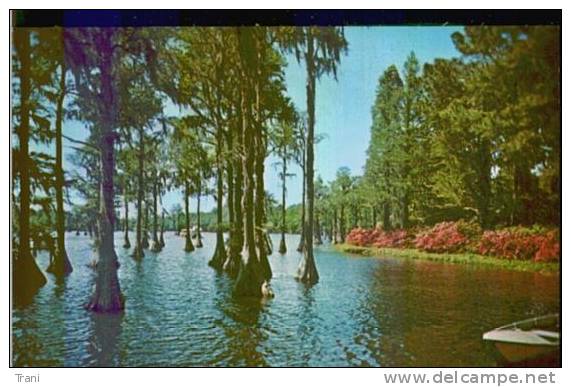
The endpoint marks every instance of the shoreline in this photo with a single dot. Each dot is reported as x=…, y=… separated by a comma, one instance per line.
x=452, y=258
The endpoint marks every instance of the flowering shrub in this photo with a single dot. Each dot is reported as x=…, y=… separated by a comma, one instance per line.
x=396, y=238
x=537, y=243
x=361, y=236
x=549, y=248
x=445, y=237
x=379, y=238
x=519, y=243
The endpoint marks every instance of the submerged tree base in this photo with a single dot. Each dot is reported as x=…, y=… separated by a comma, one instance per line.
x=138, y=253
x=188, y=246
x=156, y=247
x=107, y=296
x=250, y=280
x=269, y=244
x=27, y=278
x=307, y=271
x=265, y=267
x=219, y=257
x=301, y=245
x=60, y=265
x=114, y=305
x=455, y=258
x=232, y=266
x=283, y=248
x=145, y=242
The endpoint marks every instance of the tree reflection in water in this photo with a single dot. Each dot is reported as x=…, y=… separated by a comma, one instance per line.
x=102, y=347
x=309, y=341
x=245, y=332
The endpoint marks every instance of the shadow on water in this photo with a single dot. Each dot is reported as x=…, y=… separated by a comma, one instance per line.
x=102, y=347
x=27, y=342
x=39, y=326
x=308, y=337
x=60, y=286
x=243, y=328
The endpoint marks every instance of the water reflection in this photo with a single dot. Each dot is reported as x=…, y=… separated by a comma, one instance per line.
x=308, y=339
x=363, y=312
x=243, y=329
x=60, y=284
x=102, y=348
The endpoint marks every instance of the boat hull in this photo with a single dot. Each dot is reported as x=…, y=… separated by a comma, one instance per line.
x=533, y=342
x=520, y=355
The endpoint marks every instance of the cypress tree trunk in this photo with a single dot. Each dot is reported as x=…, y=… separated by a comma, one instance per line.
x=145, y=241
x=307, y=271
x=162, y=236
x=283, y=248
x=127, y=243
x=96, y=228
x=318, y=240
x=374, y=210
x=156, y=246
x=27, y=276
x=269, y=243
x=107, y=296
x=303, y=199
x=229, y=194
x=260, y=198
x=138, y=250
x=198, y=225
x=60, y=265
x=219, y=257
x=188, y=246
x=232, y=264
x=250, y=277
x=96, y=231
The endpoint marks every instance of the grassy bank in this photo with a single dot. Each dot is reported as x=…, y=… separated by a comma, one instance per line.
x=460, y=258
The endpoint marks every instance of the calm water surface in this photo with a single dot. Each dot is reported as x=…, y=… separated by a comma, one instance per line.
x=363, y=312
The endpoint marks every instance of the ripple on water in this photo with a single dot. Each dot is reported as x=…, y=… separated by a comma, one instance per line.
x=363, y=312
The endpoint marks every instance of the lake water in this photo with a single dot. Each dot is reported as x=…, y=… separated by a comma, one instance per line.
x=363, y=312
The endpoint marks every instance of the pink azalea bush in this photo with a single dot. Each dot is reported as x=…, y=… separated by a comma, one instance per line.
x=445, y=237
x=395, y=238
x=379, y=238
x=518, y=243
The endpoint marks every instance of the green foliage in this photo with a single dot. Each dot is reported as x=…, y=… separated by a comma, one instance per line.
x=293, y=219
x=467, y=139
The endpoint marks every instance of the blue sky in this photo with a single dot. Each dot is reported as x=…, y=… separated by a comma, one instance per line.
x=343, y=107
